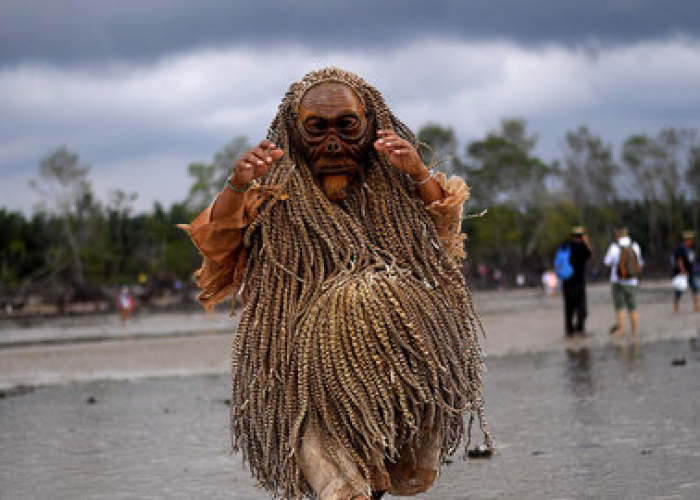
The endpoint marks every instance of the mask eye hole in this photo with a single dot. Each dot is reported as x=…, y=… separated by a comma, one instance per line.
x=316, y=126
x=348, y=123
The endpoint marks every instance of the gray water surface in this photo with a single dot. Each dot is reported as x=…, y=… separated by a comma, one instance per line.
x=615, y=422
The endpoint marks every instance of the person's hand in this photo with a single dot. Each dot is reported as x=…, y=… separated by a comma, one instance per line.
x=255, y=163
x=400, y=154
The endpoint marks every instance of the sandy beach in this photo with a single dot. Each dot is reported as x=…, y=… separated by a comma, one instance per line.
x=100, y=411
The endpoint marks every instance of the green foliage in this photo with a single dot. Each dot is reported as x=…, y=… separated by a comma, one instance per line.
x=504, y=170
x=75, y=243
x=439, y=148
x=589, y=176
x=209, y=178
x=692, y=176
x=74, y=240
x=655, y=168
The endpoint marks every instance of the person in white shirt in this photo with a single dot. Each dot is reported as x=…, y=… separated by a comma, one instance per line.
x=624, y=288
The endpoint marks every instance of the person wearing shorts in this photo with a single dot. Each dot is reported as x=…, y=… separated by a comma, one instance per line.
x=624, y=291
x=624, y=297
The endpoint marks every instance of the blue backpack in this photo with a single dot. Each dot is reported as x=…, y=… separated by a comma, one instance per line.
x=562, y=262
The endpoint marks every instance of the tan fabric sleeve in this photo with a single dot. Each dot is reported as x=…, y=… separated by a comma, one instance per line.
x=447, y=214
x=221, y=244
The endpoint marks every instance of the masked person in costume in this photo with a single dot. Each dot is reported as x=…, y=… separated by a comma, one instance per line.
x=357, y=356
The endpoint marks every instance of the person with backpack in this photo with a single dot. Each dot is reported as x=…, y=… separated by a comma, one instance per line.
x=570, y=266
x=624, y=257
x=684, y=265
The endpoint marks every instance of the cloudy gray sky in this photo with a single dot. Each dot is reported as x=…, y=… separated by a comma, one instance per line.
x=141, y=88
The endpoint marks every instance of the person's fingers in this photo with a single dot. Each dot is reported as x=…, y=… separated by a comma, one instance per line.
x=389, y=144
x=397, y=148
x=388, y=138
x=276, y=154
x=268, y=159
x=256, y=162
x=399, y=145
x=258, y=156
x=267, y=153
x=260, y=170
x=267, y=144
x=385, y=136
x=243, y=172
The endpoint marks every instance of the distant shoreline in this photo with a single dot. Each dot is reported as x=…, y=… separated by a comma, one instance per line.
x=80, y=349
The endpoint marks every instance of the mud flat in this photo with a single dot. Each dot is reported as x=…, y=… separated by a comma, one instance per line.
x=590, y=418
x=99, y=348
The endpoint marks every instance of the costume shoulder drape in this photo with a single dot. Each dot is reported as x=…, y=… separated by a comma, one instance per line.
x=224, y=255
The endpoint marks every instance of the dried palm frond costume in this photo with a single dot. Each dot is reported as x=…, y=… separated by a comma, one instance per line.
x=357, y=334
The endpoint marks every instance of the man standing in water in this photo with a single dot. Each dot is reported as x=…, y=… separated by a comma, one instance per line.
x=574, y=288
x=622, y=257
x=684, y=264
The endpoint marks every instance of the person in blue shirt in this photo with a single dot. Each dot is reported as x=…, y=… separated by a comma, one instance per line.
x=684, y=264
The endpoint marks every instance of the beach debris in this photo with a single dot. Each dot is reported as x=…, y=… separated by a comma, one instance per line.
x=480, y=451
x=91, y=400
x=537, y=453
x=678, y=362
x=647, y=451
x=20, y=390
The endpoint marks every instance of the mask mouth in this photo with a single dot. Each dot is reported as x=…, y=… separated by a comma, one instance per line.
x=336, y=168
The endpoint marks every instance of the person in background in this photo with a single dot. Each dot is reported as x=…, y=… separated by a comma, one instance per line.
x=684, y=264
x=125, y=304
x=574, y=288
x=624, y=288
x=550, y=282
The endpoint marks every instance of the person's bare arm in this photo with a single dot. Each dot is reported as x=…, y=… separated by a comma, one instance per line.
x=681, y=265
x=403, y=156
x=252, y=165
x=587, y=242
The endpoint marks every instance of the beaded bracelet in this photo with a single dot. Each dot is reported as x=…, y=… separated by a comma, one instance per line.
x=421, y=183
x=239, y=190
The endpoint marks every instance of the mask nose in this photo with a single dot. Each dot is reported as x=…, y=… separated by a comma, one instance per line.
x=333, y=146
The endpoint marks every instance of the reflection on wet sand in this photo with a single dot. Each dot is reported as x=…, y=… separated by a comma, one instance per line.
x=577, y=371
x=630, y=350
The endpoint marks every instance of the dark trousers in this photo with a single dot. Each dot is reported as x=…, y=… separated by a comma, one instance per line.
x=575, y=309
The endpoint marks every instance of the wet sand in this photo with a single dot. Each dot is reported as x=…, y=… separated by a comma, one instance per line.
x=100, y=348
x=589, y=418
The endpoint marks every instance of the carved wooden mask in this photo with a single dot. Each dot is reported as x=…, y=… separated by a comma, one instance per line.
x=333, y=133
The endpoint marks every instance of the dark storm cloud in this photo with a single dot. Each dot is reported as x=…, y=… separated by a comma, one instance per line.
x=89, y=31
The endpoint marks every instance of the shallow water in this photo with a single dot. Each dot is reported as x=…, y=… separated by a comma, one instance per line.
x=614, y=422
